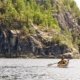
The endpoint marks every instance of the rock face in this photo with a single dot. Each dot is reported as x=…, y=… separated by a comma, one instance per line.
x=46, y=49
x=38, y=44
x=41, y=43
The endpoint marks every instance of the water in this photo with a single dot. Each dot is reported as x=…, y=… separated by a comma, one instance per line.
x=37, y=69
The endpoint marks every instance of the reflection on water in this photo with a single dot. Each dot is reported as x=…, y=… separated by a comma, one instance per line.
x=37, y=69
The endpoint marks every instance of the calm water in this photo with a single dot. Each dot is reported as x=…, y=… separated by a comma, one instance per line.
x=37, y=69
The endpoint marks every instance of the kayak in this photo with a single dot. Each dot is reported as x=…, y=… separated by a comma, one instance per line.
x=63, y=65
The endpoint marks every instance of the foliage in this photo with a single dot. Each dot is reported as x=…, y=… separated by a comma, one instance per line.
x=26, y=12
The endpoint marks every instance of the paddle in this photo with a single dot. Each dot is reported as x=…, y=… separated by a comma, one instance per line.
x=51, y=64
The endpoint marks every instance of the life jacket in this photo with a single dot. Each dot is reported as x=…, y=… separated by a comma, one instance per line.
x=62, y=62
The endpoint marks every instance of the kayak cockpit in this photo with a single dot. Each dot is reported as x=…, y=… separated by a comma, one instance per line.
x=63, y=64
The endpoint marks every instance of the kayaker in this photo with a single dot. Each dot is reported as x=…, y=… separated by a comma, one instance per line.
x=62, y=61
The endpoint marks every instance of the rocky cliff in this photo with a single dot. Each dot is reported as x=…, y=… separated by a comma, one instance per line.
x=48, y=28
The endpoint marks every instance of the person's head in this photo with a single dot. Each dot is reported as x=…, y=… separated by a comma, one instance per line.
x=62, y=57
